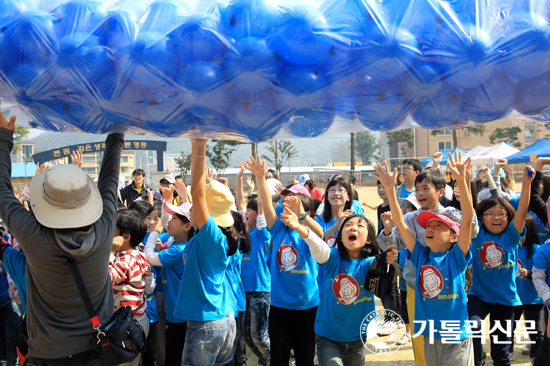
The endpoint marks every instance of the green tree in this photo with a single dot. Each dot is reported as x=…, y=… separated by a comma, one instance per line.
x=220, y=153
x=508, y=134
x=184, y=163
x=395, y=137
x=281, y=153
x=366, y=146
x=19, y=134
x=339, y=151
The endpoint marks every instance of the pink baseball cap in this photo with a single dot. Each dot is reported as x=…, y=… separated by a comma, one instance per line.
x=297, y=188
x=184, y=209
x=426, y=216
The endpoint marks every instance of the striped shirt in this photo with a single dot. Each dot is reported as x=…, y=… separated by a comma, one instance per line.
x=128, y=272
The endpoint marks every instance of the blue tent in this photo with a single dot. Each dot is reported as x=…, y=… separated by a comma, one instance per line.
x=445, y=156
x=540, y=148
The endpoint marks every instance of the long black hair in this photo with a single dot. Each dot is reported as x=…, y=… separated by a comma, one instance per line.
x=237, y=235
x=368, y=250
x=342, y=182
x=531, y=237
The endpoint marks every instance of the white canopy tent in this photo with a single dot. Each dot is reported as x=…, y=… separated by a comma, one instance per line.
x=483, y=155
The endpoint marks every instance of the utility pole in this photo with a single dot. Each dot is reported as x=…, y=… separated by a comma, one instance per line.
x=352, y=152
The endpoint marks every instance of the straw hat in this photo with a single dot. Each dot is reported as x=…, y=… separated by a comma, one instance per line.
x=65, y=197
x=219, y=200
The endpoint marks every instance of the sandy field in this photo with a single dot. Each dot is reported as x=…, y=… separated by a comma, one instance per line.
x=404, y=356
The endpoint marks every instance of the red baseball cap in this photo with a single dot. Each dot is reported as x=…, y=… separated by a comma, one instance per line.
x=426, y=216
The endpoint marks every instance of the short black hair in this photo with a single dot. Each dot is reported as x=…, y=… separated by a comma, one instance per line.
x=139, y=171
x=432, y=176
x=252, y=204
x=130, y=222
x=415, y=164
x=141, y=207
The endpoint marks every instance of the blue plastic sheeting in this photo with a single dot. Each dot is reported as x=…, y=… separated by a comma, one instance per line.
x=258, y=69
x=540, y=148
x=18, y=170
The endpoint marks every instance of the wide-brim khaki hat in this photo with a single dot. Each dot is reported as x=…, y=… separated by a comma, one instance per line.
x=65, y=197
x=219, y=200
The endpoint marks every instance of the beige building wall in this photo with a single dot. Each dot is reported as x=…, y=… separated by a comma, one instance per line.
x=127, y=164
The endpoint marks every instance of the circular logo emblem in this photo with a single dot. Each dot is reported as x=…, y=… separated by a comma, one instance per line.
x=431, y=281
x=380, y=329
x=345, y=289
x=331, y=240
x=491, y=255
x=287, y=257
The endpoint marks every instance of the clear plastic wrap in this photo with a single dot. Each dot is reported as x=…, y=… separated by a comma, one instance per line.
x=259, y=69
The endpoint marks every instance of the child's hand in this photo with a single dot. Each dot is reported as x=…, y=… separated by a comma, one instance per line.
x=10, y=126
x=210, y=175
x=40, y=168
x=456, y=192
x=241, y=171
x=250, y=183
x=180, y=187
x=279, y=187
x=485, y=173
x=76, y=158
x=117, y=243
x=391, y=254
x=501, y=163
x=256, y=166
x=387, y=220
x=345, y=214
x=158, y=245
x=458, y=168
x=523, y=272
x=528, y=174
x=295, y=205
x=289, y=217
x=199, y=142
x=387, y=178
x=436, y=158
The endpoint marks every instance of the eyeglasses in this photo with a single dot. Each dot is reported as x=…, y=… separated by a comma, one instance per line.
x=407, y=168
x=497, y=215
x=334, y=190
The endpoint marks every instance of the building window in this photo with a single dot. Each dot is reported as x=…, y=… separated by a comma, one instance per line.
x=124, y=169
x=90, y=171
x=88, y=159
x=444, y=133
x=445, y=145
x=530, y=134
x=27, y=152
x=124, y=159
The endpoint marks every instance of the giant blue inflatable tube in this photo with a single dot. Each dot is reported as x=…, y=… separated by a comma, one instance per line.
x=260, y=69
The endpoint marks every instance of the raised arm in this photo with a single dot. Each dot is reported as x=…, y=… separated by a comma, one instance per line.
x=523, y=205
x=240, y=201
x=388, y=180
x=258, y=168
x=459, y=170
x=198, y=181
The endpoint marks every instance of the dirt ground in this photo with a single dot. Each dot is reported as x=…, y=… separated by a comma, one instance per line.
x=404, y=356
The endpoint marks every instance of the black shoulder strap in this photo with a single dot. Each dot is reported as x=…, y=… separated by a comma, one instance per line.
x=83, y=293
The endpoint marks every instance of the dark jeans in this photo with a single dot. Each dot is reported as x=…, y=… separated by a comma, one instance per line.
x=292, y=329
x=255, y=327
x=87, y=358
x=174, y=340
x=530, y=312
x=11, y=320
x=478, y=311
x=148, y=357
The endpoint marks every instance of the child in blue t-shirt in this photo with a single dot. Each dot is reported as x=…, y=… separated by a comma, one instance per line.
x=344, y=300
x=294, y=291
x=494, y=268
x=255, y=275
x=440, y=264
x=541, y=280
x=171, y=260
x=531, y=303
x=205, y=299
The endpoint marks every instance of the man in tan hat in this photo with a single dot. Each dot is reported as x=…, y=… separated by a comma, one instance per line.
x=71, y=217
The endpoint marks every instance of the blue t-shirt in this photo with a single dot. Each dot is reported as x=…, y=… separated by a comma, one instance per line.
x=404, y=192
x=15, y=264
x=293, y=270
x=331, y=240
x=526, y=290
x=494, y=266
x=171, y=259
x=204, y=293
x=151, y=310
x=344, y=301
x=159, y=279
x=542, y=261
x=255, y=273
x=233, y=273
x=440, y=293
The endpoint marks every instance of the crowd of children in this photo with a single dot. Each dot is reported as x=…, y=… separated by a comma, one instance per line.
x=210, y=272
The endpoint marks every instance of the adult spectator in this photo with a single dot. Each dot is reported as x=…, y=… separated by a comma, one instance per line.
x=133, y=191
x=70, y=217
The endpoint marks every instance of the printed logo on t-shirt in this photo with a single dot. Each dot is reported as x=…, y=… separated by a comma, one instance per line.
x=331, y=240
x=287, y=257
x=520, y=264
x=345, y=289
x=431, y=281
x=491, y=256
